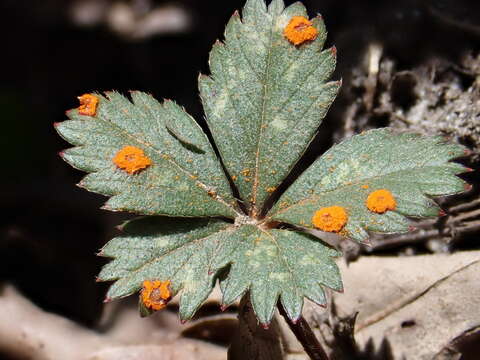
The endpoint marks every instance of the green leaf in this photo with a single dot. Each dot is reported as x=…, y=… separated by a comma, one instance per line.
x=160, y=248
x=185, y=178
x=411, y=167
x=266, y=97
x=272, y=264
x=264, y=101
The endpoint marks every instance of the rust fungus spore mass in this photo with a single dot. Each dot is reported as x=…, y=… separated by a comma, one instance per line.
x=156, y=294
x=381, y=201
x=331, y=219
x=131, y=159
x=299, y=30
x=88, y=105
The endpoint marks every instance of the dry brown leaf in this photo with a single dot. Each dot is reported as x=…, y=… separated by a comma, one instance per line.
x=27, y=331
x=419, y=304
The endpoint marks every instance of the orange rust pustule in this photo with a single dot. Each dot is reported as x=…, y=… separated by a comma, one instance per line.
x=380, y=201
x=88, y=104
x=131, y=159
x=156, y=294
x=299, y=30
x=331, y=219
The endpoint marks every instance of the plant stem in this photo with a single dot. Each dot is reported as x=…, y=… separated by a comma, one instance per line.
x=305, y=336
x=254, y=342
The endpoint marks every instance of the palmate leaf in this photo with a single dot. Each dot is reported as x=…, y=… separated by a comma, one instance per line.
x=268, y=263
x=179, y=250
x=272, y=264
x=266, y=97
x=264, y=102
x=185, y=178
x=411, y=167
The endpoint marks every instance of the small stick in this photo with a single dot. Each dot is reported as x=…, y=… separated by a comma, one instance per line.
x=305, y=336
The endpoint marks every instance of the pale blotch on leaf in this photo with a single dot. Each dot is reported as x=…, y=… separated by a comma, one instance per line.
x=155, y=294
x=88, y=104
x=330, y=219
x=381, y=201
x=131, y=159
x=299, y=30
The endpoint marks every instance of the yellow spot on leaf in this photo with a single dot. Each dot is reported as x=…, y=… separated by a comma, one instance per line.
x=156, y=294
x=283, y=204
x=365, y=187
x=88, y=104
x=299, y=30
x=271, y=189
x=245, y=172
x=381, y=201
x=234, y=178
x=131, y=159
x=331, y=219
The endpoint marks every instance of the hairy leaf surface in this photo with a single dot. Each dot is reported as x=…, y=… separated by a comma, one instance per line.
x=185, y=178
x=264, y=101
x=413, y=168
x=159, y=248
x=273, y=264
x=266, y=97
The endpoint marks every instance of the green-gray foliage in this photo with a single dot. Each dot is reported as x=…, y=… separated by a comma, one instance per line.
x=263, y=102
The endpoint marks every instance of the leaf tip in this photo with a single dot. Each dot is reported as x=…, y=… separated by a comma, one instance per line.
x=468, y=187
x=412, y=228
x=107, y=300
x=104, y=206
x=223, y=307
x=333, y=50
x=367, y=242
x=442, y=213
x=265, y=326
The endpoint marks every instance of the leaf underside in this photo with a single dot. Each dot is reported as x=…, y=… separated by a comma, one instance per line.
x=264, y=101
